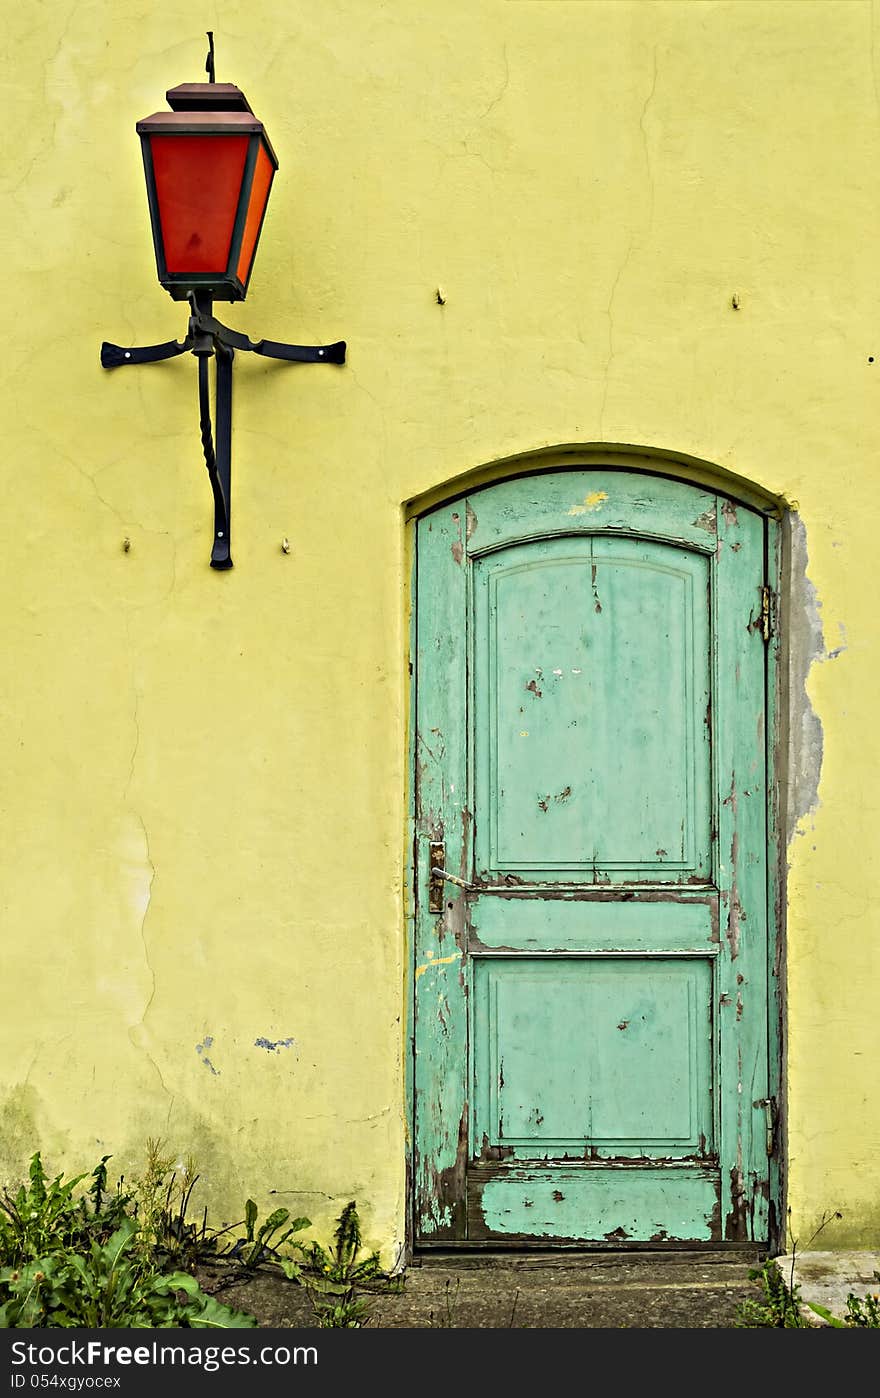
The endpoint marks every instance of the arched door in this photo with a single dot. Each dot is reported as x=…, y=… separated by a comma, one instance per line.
x=590, y=992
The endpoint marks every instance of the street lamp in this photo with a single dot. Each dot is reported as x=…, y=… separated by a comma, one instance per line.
x=209, y=167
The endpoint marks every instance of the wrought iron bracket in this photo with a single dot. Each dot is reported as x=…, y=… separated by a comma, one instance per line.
x=206, y=337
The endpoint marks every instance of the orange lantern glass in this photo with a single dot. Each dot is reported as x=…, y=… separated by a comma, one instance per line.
x=209, y=167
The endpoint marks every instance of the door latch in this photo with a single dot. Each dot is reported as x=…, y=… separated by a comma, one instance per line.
x=439, y=876
x=769, y=1105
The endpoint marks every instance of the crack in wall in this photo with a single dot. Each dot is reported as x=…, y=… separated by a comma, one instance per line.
x=504, y=86
x=143, y=927
x=148, y=859
x=644, y=130
x=127, y=525
x=873, y=58
x=137, y=1033
x=609, y=309
x=53, y=105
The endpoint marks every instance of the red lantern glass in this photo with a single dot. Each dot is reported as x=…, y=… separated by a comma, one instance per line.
x=209, y=167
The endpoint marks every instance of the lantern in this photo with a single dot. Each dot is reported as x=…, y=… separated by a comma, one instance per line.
x=209, y=167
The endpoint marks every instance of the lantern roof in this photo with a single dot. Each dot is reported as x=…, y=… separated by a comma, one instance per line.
x=215, y=97
x=206, y=109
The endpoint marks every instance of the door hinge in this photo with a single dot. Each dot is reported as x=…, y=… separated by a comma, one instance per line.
x=764, y=623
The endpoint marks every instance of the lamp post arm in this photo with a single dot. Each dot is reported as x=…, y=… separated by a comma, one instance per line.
x=115, y=356
x=202, y=322
x=207, y=338
x=218, y=462
x=302, y=354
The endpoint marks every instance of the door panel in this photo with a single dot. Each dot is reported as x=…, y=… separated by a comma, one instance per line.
x=604, y=922
x=590, y=998
x=602, y=1206
x=592, y=1057
x=591, y=676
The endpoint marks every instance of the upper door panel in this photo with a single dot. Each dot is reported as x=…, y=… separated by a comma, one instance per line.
x=590, y=703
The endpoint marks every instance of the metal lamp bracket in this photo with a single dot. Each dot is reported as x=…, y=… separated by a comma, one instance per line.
x=207, y=337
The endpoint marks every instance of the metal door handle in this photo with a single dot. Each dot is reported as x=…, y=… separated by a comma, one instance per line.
x=769, y=1105
x=451, y=878
x=439, y=876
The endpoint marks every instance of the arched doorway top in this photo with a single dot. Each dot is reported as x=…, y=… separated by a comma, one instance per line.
x=616, y=456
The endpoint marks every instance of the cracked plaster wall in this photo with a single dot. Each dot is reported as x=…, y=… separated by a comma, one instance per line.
x=537, y=226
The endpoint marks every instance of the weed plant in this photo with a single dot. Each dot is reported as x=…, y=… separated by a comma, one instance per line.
x=90, y=1261
x=93, y=1257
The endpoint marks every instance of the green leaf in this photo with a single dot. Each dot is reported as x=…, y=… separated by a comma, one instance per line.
x=119, y=1242
x=329, y=1286
x=273, y=1223
x=348, y=1235
x=215, y=1316
x=178, y=1281
x=250, y=1218
x=826, y=1315
x=37, y=1179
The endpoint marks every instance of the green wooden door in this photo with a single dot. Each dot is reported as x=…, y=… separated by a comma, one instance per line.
x=590, y=981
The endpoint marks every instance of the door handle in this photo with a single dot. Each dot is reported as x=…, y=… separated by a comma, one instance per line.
x=439, y=876
x=769, y=1105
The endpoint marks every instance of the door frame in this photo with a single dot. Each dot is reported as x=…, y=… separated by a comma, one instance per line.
x=689, y=471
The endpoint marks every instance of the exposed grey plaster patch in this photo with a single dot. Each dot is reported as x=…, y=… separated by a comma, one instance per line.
x=806, y=645
x=273, y=1045
x=200, y=1050
x=838, y=650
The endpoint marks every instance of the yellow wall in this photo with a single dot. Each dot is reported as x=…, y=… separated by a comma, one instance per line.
x=203, y=774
